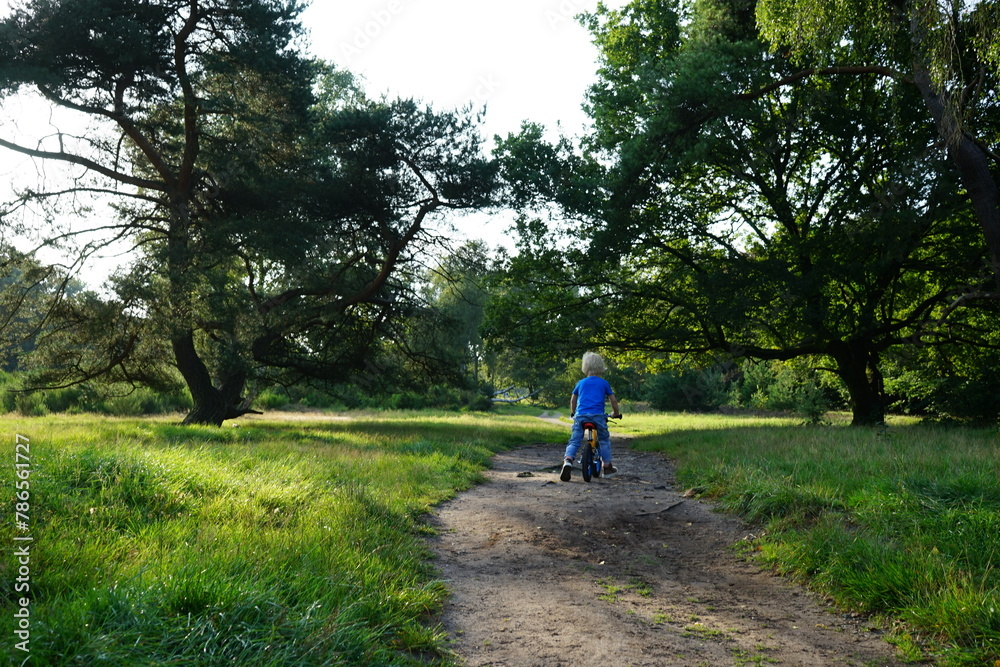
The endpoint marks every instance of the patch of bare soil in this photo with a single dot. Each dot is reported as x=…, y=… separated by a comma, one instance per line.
x=621, y=571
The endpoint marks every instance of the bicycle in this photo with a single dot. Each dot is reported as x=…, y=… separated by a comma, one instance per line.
x=591, y=461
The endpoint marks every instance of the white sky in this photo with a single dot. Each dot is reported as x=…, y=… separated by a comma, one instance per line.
x=522, y=59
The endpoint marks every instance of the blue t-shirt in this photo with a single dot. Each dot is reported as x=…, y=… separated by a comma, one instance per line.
x=591, y=392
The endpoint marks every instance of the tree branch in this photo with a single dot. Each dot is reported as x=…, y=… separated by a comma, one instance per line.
x=824, y=71
x=85, y=163
x=190, y=98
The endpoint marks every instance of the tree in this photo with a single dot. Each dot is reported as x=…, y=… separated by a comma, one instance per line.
x=445, y=336
x=271, y=222
x=948, y=51
x=28, y=290
x=775, y=226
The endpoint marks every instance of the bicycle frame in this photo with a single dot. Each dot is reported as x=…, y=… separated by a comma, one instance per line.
x=591, y=462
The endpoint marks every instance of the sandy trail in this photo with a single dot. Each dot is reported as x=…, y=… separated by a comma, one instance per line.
x=620, y=571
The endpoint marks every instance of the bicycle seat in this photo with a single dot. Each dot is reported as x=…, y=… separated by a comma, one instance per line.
x=589, y=425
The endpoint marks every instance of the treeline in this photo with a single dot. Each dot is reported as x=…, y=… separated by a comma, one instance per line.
x=456, y=354
x=757, y=219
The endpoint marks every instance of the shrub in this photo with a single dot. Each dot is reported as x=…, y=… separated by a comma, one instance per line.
x=31, y=404
x=970, y=399
x=780, y=387
x=272, y=399
x=407, y=400
x=144, y=401
x=687, y=390
x=100, y=399
x=478, y=402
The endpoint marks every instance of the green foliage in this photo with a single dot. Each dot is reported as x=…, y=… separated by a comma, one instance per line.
x=353, y=397
x=687, y=389
x=781, y=387
x=882, y=32
x=949, y=382
x=296, y=543
x=276, y=213
x=29, y=290
x=765, y=222
x=943, y=50
x=440, y=343
x=99, y=398
x=821, y=24
x=777, y=387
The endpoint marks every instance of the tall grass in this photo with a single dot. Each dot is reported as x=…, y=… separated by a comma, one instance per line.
x=270, y=543
x=901, y=522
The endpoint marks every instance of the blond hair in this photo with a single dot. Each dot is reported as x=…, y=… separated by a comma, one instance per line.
x=593, y=364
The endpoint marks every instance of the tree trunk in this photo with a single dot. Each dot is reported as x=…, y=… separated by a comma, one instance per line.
x=971, y=160
x=212, y=405
x=857, y=367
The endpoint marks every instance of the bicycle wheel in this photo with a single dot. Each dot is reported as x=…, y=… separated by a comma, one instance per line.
x=588, y=455
x=596, y=463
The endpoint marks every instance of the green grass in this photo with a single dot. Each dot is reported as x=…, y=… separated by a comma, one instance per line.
x=902, y=523
x=301, y=542
x=268, y=543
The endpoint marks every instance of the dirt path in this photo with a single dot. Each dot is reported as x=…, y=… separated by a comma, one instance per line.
x=535, y=566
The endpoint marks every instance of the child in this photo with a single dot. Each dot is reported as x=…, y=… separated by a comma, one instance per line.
x=587, y=404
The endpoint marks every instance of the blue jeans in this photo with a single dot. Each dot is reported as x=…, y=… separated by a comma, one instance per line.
x=603, y=437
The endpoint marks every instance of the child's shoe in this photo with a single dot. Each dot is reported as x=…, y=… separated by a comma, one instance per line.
x=608, y=470
x=567, y=470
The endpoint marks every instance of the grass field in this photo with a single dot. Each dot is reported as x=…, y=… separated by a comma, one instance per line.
x=269, y=543
x=285, y=541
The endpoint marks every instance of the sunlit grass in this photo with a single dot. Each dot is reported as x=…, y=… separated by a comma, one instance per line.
x=900, y=521
x=272, y=542
x=291, y=540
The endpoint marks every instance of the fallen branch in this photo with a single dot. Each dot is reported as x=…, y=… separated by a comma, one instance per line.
x=666, y=509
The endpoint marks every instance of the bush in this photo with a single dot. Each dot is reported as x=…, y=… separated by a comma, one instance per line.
x=31, y=405
x=407, y=400
x=144, y=401
x=687, y=390
x=64, y=400
x=351, y=396
x=272, y=399
x=94, y=398
x=946, y=385
x=8, y=383
x=968, y=399
x=780, y=387
x=478, y=402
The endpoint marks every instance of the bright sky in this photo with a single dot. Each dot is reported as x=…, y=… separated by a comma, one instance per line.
x=522, y=59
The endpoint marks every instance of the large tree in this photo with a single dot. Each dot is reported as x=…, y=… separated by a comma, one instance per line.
x=777, y=225
x=272, y=211
x=947, y=51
